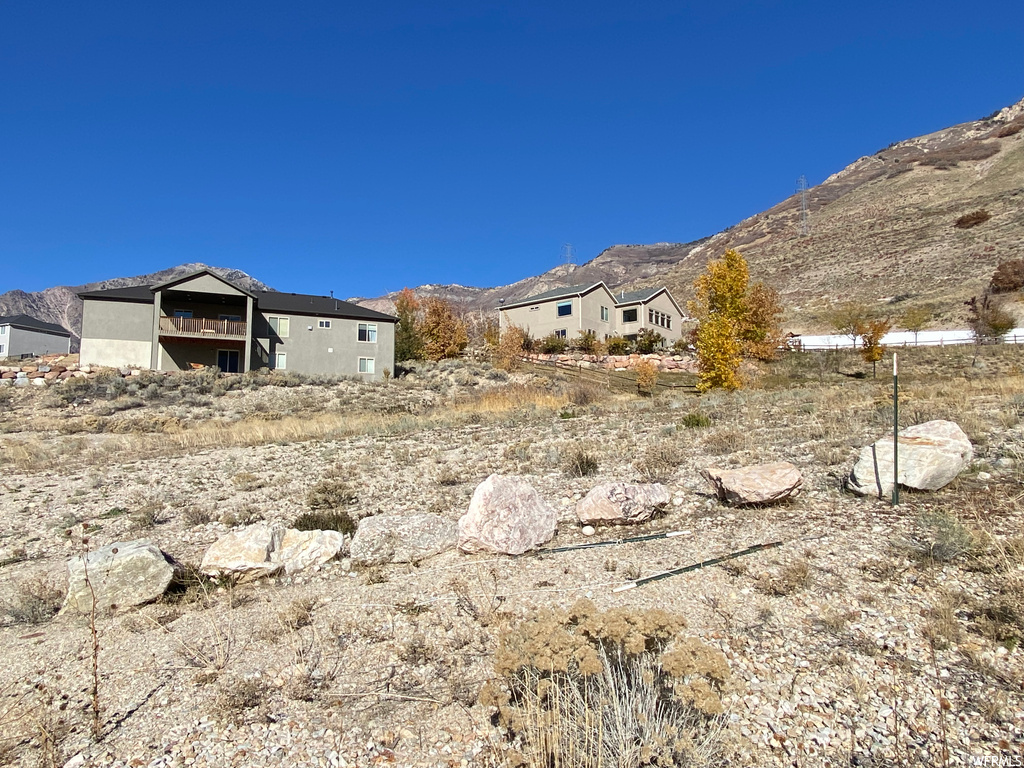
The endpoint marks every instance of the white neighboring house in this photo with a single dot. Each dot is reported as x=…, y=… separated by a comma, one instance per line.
x=25, y=336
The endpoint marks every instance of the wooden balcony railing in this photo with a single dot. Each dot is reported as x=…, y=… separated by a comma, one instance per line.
x=199, y=327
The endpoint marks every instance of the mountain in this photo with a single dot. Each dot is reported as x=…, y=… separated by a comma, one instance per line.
x=883, y=231
x=61, y=304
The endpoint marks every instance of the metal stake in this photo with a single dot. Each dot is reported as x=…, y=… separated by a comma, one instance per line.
x=895, y=431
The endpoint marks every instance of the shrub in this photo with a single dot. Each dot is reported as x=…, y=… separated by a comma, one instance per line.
x=617, y=345
x=553, y=345
x=579, y=463
x=940, y=536
x=582, y=688
x=1009, y=276
x=648, y=340
x=332, y=520
x=973, y=219
x=330, y=494
x=696, y=420
x=508, y=355
x=646, y=377
x=969, y=151
x=989, y=320
x=35, y=601
x=583, y=394
x=659, y=461
x=586, y=342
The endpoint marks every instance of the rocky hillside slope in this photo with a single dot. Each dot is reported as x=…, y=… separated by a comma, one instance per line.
x=883, y=229
x=61, y=304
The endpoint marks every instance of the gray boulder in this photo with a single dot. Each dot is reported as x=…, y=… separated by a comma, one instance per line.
x=402, y=538
x=244, y=554
x=260, y=550
x=621, y=504
x=506, y=515
x=931, y=455
x=756, y=484
x=121, y=575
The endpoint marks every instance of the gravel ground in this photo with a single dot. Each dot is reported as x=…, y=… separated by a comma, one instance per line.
x=846, y=646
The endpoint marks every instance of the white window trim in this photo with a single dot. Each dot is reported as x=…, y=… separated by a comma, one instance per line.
x=279, y=318
x=562, y=333
x=279, y=358
x=1, y=349
x=369, y=327
x=368, y=364
x=325, y=323
x=631, y=309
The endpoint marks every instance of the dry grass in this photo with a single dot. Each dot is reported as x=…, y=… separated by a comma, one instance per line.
x=36, y=600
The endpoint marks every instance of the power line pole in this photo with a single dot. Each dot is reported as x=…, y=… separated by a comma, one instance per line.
x=801, y=186
x=569, y=253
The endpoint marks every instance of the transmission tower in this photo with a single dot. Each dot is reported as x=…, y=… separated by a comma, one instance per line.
x=801, y=186
x=569, y=253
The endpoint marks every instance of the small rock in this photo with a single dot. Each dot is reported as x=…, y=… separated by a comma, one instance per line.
x=757, y=484
x=621, y=504
x=589, y=530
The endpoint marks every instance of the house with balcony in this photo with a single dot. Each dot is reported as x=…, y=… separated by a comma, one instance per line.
x=571, y=311
x=202, y=319
x=26, y=336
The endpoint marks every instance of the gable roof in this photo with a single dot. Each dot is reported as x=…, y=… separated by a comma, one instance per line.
x=33, y=324
x=645, y=295
x=632, y=297
x=167, y=284
x=557, y=293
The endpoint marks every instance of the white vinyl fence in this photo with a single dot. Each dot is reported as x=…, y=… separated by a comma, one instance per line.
x=900, y=339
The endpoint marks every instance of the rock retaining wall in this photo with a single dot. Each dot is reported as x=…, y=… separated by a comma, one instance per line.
x=669, y=363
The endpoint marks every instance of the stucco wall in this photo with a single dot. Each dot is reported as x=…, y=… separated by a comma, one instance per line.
x=544, y=320
x=116, y=353
x=116, y=333
x=121, y=320
x=24, y=341
x=333, y=351
x=205, y=284
x=662, y=303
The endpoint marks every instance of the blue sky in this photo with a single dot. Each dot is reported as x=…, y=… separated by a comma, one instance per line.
x=364, y=147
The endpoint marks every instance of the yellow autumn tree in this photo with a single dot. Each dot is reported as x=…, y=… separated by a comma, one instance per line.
x=872, y=349
x=734, y=319
x=443, y=331
x=720, y=307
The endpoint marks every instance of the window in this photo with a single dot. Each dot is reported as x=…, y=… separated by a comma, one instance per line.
x=659, y=318
x=1, y=349
x=3, y=329
x=280, y=361
x=366, y=365
x=325, y=323
x=280, y=326
x=564, y=308
x=367, y=332
x=561, y=333
x=534, y=309
x=230, y=318
x=629, y=315
x=183, y=313
x=604, y=314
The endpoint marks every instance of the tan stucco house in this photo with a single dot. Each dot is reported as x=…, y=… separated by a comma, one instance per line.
x=203, y=319
x=569, y=312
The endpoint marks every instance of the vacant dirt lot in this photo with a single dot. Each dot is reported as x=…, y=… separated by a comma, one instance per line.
x=873, y=636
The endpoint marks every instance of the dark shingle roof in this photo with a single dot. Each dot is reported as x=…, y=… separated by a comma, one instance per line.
x=304, y=304
x=136, y=293
x=272, y=301
x=557, y=293
x=632, y=297
x=26, y=321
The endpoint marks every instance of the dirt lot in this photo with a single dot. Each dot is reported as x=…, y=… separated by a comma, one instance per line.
x=873, y=636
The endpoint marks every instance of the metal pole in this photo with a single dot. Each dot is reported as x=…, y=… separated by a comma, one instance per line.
x=895, y=431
